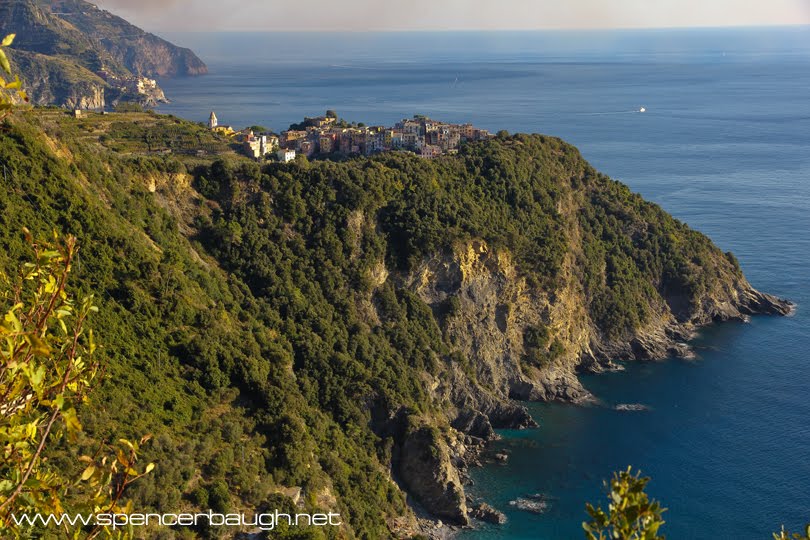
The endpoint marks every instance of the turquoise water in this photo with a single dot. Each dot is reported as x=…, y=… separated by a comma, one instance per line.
x=724, y=146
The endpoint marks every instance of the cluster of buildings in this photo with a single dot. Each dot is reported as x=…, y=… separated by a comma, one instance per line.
x=324, y=135
x=426, y=137
x=134, y=86
x=255, y=145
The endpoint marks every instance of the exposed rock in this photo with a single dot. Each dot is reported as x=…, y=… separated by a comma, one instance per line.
x=536, y=504
x=293, y=493
x=428, y=474
x=491, y=306
x=486, y=513
x=54, y=81
x=474, y=423
x=138, y=51
x=71, y=54
x=631, y=407
x=753, y=302
x=485, y=309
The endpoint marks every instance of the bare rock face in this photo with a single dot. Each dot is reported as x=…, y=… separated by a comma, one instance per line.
x=487, y=308
x=426, y=470
x=513, y=342
x=50, y=81
x=140, y=52
x=94, y=99
x=72, y=54
x=474, y=423
x=487, y=514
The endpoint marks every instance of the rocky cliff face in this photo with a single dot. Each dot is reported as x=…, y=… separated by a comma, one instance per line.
x=140, y=52
x=52, y=81
x=152, y=56
x=488, y=310
x=63, y=48
x=426, y=469
x=492, y=309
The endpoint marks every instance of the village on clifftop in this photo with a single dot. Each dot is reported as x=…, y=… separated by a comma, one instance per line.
x=326, y=135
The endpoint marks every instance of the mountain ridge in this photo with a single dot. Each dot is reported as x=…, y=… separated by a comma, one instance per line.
x=59, y=41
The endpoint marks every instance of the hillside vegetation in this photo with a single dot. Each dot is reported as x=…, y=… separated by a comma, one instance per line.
x=352, y=329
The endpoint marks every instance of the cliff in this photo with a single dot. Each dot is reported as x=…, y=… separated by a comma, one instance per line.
x=52, y=80
x=140, y=52
x=496, y=315
x=66, y=51
x=346, y=336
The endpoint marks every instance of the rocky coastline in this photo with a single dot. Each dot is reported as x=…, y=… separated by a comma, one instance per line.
x=433, y=466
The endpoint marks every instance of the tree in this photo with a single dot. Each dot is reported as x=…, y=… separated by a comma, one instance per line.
x=128, y=107
x=8, y=89
x=631, y=514
x=48, y=366
x=786, y=535
x=331, y=114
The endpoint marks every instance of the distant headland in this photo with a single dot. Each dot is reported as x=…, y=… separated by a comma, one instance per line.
x=72, y=54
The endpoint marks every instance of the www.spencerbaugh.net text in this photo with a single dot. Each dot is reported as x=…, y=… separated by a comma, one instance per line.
x=264, y=521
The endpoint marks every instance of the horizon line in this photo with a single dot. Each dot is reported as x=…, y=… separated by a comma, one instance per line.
x=489, y=30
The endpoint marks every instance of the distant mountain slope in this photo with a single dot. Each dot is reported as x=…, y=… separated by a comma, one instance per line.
x=141, y=52
x=72, y=54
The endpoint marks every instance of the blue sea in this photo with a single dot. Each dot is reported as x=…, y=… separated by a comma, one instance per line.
x=724, y=146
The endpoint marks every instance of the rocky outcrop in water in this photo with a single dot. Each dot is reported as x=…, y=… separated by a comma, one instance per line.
x=487, y=514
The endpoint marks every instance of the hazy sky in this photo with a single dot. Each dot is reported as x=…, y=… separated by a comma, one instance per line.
x=341, y=15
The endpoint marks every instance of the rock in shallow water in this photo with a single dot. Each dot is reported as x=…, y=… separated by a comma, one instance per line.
x=536, y=504
x=631, y=407
x=488, y=514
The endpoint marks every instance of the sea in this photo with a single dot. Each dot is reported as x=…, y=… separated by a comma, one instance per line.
x=724, y=145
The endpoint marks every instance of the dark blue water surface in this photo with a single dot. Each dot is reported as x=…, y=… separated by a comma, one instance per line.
x=724, y=146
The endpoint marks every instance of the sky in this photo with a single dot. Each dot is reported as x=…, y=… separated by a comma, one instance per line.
x=382, y=15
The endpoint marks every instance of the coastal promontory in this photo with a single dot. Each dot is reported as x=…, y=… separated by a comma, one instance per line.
x=73, y=54
x=347, y=334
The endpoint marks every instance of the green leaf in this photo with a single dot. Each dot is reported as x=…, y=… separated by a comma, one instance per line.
x=88, y=472
x=127, y=443
x=4, y=63
x=71, y=420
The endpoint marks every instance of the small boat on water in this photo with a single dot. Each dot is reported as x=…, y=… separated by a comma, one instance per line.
x=642, y=110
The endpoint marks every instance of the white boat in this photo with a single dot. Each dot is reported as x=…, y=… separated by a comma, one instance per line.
x=642, y=110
